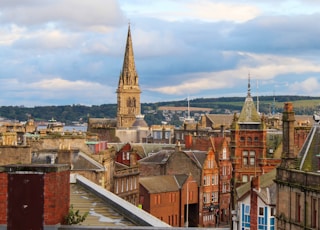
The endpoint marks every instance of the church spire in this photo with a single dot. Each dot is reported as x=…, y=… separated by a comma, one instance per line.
x=128, y=75
x=128, y=92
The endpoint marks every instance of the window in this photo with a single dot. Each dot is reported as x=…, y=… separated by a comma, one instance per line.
x=249, y=139
x=262, y=218
x=256, y=139
x=224, y=187
x=157, y=199
x=261, y=211
x=122, y=182
x=206, y=198
x=224, y=153
x=205, y=180
x=245, y=216
x=214, y=197
x=245, y=157
x=252, y=157
x=244, y=178
x=242, y=139
x=273, y=211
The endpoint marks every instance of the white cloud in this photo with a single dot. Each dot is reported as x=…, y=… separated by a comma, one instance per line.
x=308, y=86
x=47, y=39
x=222, y=11
x=261, y=67
x=205, y=10
x=57, y=89
x=91, y=14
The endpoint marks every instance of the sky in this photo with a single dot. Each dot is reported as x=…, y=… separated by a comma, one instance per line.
x=64, y=52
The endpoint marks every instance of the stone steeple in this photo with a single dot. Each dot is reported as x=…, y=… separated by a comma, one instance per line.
x=128, y=92
x=128, y=75
x=249, y=112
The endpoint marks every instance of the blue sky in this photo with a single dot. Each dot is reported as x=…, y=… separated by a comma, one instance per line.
x=62, y=52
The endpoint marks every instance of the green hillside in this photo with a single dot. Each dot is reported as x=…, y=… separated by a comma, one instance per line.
x=69, y=113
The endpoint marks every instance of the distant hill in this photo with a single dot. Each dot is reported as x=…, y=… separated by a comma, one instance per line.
x=303, y=105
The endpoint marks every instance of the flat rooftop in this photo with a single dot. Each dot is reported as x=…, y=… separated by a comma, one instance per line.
x=100, y=214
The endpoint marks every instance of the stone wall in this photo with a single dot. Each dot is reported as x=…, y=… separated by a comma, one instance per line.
x=15, y=155
x=68, y=142
x=293, y=185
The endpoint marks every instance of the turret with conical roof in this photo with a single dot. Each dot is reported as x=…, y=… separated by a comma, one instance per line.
x=128, y=92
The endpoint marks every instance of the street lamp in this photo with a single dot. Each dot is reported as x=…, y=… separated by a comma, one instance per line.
x=187, y=221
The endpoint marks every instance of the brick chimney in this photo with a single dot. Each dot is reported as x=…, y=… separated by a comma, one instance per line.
x=288, y=119
x=34, y=196
x=188, y=141
x=255, y=187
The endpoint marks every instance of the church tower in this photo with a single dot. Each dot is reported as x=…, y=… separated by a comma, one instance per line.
x=128, y=92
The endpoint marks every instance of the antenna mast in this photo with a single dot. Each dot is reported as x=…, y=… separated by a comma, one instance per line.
x=258, y=96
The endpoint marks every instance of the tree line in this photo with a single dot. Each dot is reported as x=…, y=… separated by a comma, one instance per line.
x=81, y=113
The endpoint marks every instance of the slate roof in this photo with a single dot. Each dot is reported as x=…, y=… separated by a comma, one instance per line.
x=309, y=153
x=160, y=157
x=220, y=119
x=267, y=185
x=197, y=156
x=164, y=183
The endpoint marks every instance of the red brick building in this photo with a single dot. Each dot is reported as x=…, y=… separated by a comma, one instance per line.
x=127, y=155
x=201, y=165
x=126, y=174
x=219, y=208
x=248, y=145
x=171, y=198
x=222, y=152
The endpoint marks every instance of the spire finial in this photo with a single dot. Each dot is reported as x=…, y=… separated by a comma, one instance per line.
x=249, y=88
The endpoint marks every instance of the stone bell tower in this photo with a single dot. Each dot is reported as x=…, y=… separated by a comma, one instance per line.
x=128, y=92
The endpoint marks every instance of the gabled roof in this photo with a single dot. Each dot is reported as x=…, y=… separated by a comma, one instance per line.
x=160, y=184
x=197, y=156
x=220, y=119
x=267, y=188
x=85, y=162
